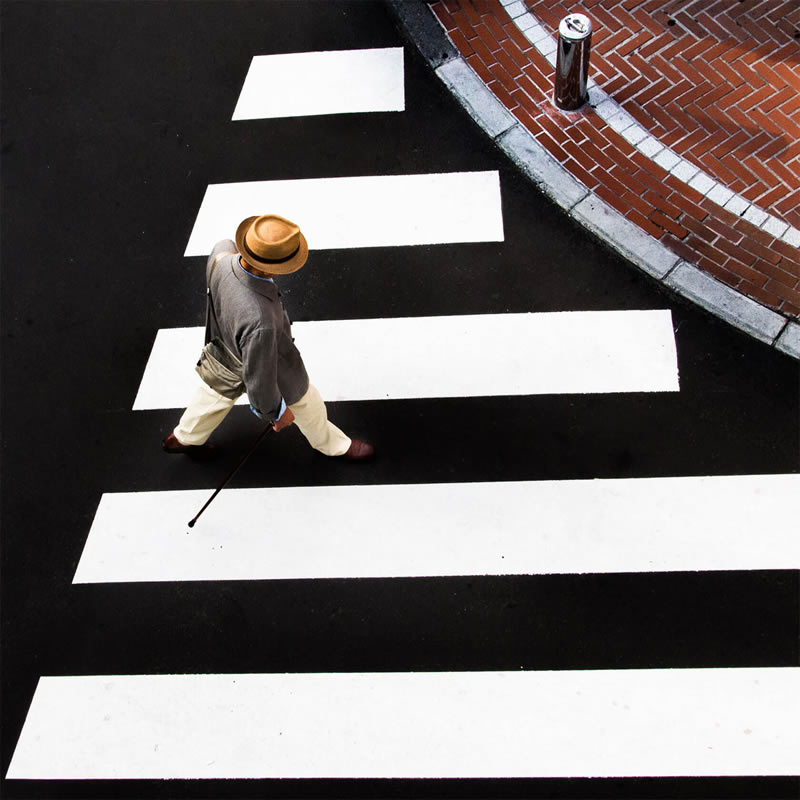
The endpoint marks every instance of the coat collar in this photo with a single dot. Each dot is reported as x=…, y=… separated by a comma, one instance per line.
x=265, y=288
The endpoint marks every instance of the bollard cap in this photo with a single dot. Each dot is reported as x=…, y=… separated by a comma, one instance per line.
x=575, y=27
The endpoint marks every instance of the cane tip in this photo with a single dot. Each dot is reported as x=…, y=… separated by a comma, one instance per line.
x=191, y=524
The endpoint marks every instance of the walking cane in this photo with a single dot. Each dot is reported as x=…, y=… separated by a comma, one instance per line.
x=233, y=472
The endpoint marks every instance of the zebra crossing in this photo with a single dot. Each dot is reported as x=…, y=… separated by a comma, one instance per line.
x=361, y=211
x=333, y=82
x=586, y=352
x=593, y=723
x=499, y=528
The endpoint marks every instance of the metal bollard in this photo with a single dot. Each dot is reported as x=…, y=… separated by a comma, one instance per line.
x=572, y=61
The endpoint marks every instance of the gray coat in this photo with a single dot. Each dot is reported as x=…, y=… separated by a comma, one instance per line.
x=252, y=324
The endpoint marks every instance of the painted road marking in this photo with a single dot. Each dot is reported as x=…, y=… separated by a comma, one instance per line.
x=371, y=211
x=331, y=82
x=620, y=723
x=569, y=352
x=504, y=528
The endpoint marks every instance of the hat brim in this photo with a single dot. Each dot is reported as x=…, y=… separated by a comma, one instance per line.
x=272, y=267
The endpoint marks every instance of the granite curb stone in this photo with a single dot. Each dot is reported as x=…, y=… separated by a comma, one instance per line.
x=523, y=149
x=475, y=96
x=726, y=303
x=424, y=30
x=623, y=236
x=789, y=341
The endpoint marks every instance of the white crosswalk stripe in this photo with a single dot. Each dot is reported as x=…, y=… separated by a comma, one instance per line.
x=522, y=724
x=332, y=82
x=368, y=211
x=533, y=528
x=414, y=725
x=459, y=356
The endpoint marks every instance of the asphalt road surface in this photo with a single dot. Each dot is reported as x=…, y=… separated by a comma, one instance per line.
x=117, y=117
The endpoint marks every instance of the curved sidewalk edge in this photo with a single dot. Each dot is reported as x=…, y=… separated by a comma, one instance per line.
x=622, y=235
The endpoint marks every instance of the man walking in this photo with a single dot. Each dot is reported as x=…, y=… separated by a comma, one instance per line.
x=249, y=346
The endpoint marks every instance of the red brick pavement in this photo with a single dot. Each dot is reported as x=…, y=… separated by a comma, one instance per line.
x=720, y=86
x=718, y=82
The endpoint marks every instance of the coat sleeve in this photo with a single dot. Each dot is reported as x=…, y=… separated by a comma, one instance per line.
x=260, y=372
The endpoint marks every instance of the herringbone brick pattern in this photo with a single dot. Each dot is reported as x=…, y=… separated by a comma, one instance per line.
x=726, y=246
x=718, y=81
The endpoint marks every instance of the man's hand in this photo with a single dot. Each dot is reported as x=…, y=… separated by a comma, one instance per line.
x=287, y=418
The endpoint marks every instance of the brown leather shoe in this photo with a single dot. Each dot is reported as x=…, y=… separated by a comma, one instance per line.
x=202, y=452
x=358, y=451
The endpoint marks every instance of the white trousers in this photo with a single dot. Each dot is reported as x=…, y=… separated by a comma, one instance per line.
x=208, y=408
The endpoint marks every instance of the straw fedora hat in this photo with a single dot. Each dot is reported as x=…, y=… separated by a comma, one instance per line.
x=272, y=244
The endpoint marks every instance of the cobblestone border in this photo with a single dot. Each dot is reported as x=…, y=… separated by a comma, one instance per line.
x=622, y=235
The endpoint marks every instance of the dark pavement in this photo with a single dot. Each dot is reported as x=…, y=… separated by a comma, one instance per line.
x=116, y=116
